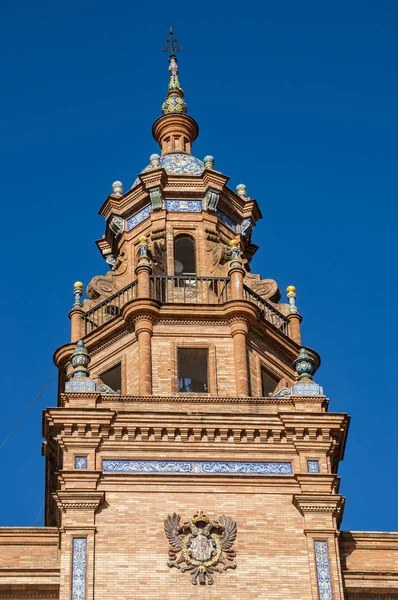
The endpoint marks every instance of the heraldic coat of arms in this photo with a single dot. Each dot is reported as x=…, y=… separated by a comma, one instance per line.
x=201, y=547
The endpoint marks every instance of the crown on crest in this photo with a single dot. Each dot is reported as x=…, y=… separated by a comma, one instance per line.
x=199, y=516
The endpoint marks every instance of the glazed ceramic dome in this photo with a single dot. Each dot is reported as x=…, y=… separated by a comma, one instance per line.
x=177, y=164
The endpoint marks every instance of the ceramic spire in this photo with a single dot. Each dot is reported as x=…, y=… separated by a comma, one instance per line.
x=174, y=102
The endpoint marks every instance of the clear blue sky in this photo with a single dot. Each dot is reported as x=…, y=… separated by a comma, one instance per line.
x=298, y=100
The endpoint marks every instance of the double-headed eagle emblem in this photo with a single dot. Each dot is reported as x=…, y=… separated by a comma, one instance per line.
x=204, y=546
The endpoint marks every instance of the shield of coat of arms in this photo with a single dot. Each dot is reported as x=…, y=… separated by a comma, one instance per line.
x=201, y=546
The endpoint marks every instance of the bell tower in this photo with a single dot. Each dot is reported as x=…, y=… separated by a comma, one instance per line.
x=190, y=445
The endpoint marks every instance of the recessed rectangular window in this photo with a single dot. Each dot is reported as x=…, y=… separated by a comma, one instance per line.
x=112, y=378
x=192, y=370
x=268, y=383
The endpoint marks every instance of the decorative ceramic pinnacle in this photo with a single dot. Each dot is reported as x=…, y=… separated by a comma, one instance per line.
x=143, y=258
x=80, y=380
x=234, y=249
x=174, y=102
x=154, y=161
x=241, y=190
x=117, y=188
x=80, y=360
x=291, y=294
x=78, y=293
x=208, y=162
x=304, y=365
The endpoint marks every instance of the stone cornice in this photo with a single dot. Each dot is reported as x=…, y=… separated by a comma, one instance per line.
x=369, y=540
x=79, y=499
x=308, y=503
x=179, y=313
x=29, y=536
x=26, y=595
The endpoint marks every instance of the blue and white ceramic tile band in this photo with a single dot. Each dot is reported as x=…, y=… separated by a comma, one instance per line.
x=323, y=570
x=79, y=560
x=226, y=220
x=140, y=216
x=184, y=205
x=196, y=467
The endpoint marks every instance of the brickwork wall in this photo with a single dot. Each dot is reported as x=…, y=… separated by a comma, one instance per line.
x=131, y=548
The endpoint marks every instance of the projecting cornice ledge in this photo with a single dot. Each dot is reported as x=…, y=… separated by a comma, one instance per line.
x=322, y=503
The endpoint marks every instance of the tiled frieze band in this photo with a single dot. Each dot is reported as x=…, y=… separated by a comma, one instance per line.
x=323, y=570
x=196, y=467
x=79, y=559
x=184, y=205
x=227, y=220
x=140, y=216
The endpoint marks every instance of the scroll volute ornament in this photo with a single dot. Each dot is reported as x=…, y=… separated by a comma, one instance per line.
x=201, y=547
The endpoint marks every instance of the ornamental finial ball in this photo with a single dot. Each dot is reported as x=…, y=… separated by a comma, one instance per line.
x=234, y=242
x=154, y=160
x=208, y=162
x=142, y=238
x=290, y=288
x=78, y=285
x=117, y=188
x=241, y=190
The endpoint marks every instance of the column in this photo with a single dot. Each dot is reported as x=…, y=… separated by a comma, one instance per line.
x=294, y=316
x=143, y=270
x=76, y=314
x=144, y=329
x=236, y=271
x=239, y=330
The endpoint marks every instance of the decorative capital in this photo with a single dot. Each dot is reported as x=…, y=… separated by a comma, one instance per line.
x=156, y=197
x=116, y=225
x=211, y=199
x=117, y=188
x=78, y=293
x=246, y=228
x=241, y=190
x=208, y=161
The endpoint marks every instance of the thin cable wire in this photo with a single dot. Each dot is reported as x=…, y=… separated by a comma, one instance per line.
x=27, y=411
x=39, y=515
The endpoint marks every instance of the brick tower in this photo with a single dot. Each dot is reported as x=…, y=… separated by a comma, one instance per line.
x=191, y=455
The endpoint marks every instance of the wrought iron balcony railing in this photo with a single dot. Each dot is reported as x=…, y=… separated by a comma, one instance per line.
x=190, y=289
x=109, y=309
x=185, y=289
x=269, y=312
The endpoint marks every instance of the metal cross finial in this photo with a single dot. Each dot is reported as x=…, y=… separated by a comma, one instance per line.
x=172, y=45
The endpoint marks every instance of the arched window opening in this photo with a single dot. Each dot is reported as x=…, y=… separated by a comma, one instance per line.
x=184, y=256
